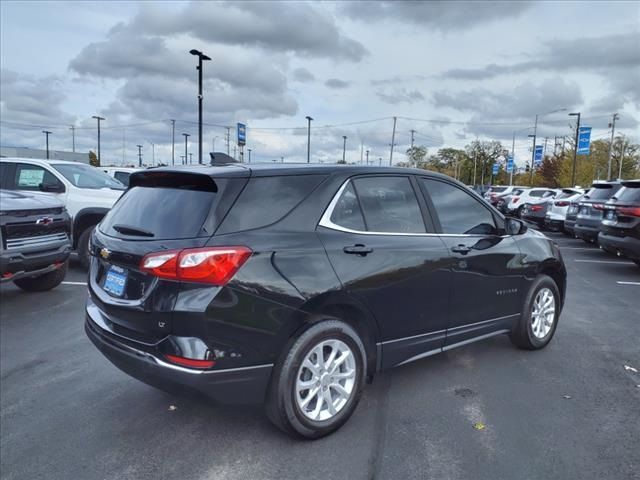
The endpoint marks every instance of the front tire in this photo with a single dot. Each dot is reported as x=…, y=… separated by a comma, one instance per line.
x=539, y=318
x=83, y=247
x=317, y=386
x=44, y=282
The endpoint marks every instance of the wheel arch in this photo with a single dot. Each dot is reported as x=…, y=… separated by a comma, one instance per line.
x=556, y=271
x=86, y=218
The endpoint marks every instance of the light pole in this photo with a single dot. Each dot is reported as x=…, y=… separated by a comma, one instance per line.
x=535, y=134
x=613, y=130
x=139, y=155
x=46, y=134
x=73, y=137
x=575, y=148
x=249, y=154
x=186, y=135
x=153, y=153
x=344, y=148
x=532, y=156
x=173, y=142
x=98, y=119
x=201, y=56
x=190, y=158
x=309, y=138
x=367, y=157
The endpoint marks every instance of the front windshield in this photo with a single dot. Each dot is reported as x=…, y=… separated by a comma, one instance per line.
x=85, y=176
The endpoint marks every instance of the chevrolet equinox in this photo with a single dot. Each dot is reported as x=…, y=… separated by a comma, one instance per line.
x=293, y=285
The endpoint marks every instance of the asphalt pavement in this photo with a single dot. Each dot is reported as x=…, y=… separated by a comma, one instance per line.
x=485, y=411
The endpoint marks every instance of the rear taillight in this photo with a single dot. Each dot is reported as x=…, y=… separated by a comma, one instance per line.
x=598, y=206
x=630, y=211
x=214, y=265
x=190, y=362
x=536, y=208
x=515, y=199
x=560, y=203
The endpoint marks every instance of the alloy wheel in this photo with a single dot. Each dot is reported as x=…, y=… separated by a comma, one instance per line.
x=543, y=313
x=325, y=380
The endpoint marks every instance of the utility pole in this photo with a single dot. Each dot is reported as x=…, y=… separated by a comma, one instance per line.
x=173, y=142
x=249, y=150
x=555, y=145
x=344, y=148
x=475, y=165
x=361, y=151
x=228, y=140
x=186, y=135
x=544, y=152
x=393, y=141
x=532, y=159
x=47, y=133
x=621, y=160
x=190, y=158
x=575, y=149
x=73, y=138
x=613, y=131
x=513, y=156
x=153, y=153
x=139, y=155
x=201, y=56
x=98, y=119
x=412, y=134
x=308, y=138
x=367, y=157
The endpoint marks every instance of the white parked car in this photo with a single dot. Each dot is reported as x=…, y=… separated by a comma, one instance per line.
x=497, y=191
x=121, y=174
x=87, y=192
x=531, y=195
x=557, y=211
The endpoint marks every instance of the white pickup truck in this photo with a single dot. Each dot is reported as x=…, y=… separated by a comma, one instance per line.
x=85, y=191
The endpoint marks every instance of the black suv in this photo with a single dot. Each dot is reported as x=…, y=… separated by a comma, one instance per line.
x=294, y=285
x=591, y=208
x=620, y=227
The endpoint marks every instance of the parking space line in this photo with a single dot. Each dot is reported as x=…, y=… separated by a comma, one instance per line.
x=628, y=283
x=75, y=283
x=604, y=261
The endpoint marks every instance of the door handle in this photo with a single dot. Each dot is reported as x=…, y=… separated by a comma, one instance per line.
x=463, y=249
x=358, y=249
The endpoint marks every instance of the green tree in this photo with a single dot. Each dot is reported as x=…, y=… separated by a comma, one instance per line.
x=483, y=154
x=416, y=155
x=93, y=159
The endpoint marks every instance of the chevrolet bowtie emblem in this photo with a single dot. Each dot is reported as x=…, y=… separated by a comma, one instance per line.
x=104, y=253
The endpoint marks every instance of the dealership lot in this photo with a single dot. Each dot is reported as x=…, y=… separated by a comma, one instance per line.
x=568, y=411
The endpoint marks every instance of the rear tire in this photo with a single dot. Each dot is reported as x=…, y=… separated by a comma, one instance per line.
x=303, y=386
x=44, y=282
x=83, y=247
x=519, y=212
x=540, y=314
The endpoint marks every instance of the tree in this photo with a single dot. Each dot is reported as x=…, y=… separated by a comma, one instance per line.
x=483, y=154
x=417, y=155
x=93, y=159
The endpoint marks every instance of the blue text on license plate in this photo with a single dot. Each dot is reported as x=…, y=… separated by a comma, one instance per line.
x=115, y=281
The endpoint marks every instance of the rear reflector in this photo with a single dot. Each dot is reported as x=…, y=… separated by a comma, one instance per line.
x=213, y=265
x=560, y=203
x=598, y=206
x=190, y=362
x=630, y=211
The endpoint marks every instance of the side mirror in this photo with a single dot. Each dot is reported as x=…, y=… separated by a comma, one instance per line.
x=52, y=187
x=515, y=227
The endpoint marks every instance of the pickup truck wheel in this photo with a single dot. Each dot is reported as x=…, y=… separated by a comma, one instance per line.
x=83, y=247
x=44, y=282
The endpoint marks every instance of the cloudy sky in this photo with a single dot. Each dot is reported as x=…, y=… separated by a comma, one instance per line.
x=451, y=71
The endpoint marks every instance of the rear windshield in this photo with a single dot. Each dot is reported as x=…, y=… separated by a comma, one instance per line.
x=498, y=189
x=629, y=195
x=145, y=213
x=602, y=192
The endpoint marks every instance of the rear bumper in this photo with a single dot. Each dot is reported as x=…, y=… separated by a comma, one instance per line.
x=243, y=385
x=30, y=264
x=586, y=232
x=553, y=223
x=627, y=246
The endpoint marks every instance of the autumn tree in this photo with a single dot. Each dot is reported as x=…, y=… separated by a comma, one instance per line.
x=93, y=159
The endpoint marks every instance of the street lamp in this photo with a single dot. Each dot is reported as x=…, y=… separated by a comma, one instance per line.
x=47, y=133
x=344, y=147
x=139, y=155
x=98, y=119
x=201, y=56
x=249, y=154
x=186, y=156
x=575, y=148
x=309, y=138
x=153, y=153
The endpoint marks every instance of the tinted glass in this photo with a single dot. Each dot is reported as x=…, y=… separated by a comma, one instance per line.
x=389, y=205
x=167, y=213
x=459, y=212
x=30, y=177
x=85, y=176
x=602, y=193
x=265, y=200
x=347, y=211
x=498, y=189
x=629, y=195
x=537, y=193
x=122, y=177
x=5, y=172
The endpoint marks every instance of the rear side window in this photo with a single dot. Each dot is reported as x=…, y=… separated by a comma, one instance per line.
x=122, y=177
x=498, y=189
x=389, y=205
x=459, y=212
x=537, y=193
x=145, y=213
x=629, y=195
x=266, y=200
x=347, y=211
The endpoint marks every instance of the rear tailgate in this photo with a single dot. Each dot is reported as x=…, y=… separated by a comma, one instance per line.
x=162, y=210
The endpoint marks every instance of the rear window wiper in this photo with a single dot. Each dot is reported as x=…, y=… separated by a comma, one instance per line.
x=133, y=231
